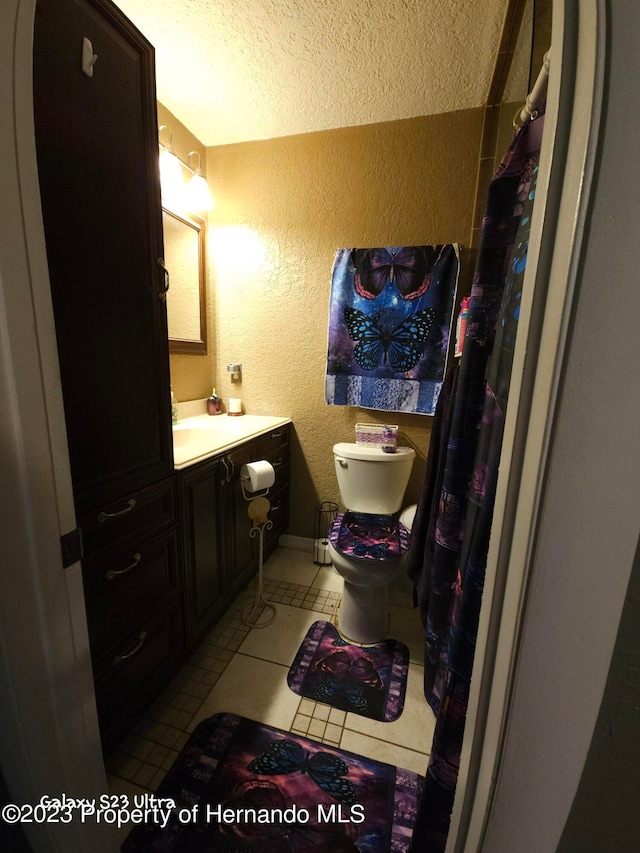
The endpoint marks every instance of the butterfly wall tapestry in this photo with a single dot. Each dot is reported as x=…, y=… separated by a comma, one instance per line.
x=390, y=316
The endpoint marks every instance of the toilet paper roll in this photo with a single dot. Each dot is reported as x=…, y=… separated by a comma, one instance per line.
x=258, y=475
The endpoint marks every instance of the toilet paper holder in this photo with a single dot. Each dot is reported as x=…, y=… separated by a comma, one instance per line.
x=261, y=475
x=245, y=478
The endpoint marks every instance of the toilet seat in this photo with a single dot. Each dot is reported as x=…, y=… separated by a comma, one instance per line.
x=366, y=537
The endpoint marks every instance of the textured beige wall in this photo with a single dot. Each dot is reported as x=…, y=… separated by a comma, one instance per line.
x=283, y=207
x=191, y=375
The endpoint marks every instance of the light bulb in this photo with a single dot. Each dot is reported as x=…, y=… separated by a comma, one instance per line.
x=170, y=176
x=198, y=194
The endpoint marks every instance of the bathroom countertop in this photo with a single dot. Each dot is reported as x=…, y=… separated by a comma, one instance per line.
x=203, y=436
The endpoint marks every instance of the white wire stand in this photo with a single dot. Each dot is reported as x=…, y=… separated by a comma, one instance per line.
x=258, y=512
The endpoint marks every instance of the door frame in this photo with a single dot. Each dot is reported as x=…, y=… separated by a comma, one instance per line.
x=538, y=680
x=49, y=737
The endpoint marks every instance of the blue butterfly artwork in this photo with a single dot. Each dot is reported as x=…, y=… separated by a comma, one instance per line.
x=327, y=770
x=408, y=267
x=400, y=346
x=390, y=313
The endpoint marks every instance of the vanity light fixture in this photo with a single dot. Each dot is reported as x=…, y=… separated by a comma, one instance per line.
x=170, y=169
x=198, y=194
x=193, y=196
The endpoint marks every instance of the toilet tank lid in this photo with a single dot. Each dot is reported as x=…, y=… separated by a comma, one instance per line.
x=371, y=453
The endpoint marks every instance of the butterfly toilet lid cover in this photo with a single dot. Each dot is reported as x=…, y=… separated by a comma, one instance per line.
x=370, y=537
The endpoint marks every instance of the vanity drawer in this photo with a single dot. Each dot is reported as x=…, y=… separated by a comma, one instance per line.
x=279, y=458
x=134, y=517
x=134, y=670
x=279, y=516
x=271, y=441
x=123, y=589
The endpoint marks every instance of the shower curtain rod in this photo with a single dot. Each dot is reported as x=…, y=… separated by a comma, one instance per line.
x=536, y=96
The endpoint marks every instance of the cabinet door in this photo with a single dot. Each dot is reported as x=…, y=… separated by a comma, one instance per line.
x=279, y=518
x=96, y=140
x=200, y=491
x=241, y=552
x=275, y=447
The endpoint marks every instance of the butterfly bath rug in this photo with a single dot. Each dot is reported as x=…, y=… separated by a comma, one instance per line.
x=390, y=316
x=239, y=786
x=370, y=681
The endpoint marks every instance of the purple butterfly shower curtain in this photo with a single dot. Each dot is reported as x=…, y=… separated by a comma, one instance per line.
x=389, y=323
x=450, y=536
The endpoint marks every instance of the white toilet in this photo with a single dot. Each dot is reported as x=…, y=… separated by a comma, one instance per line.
x=367, y=543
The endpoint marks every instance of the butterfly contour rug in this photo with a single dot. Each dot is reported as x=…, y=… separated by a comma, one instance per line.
x=370, y=681
x=241, y=786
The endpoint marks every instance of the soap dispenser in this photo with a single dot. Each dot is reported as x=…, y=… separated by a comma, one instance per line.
x=213, y=404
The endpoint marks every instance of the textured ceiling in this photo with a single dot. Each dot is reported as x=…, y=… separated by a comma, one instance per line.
x=238, y=70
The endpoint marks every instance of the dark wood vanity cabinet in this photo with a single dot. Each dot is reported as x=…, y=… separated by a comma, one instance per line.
x=97, y=154
x=201, y=535
x=219, y=555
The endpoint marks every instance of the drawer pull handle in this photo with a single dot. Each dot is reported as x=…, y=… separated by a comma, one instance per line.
x=276, y=508
x=107, y=516
x=276, y=434
x=116, y=573
x=229, y=470
x=278, y=463
x=118, y=659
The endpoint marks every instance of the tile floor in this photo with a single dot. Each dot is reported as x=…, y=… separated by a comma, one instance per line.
x=243, y=670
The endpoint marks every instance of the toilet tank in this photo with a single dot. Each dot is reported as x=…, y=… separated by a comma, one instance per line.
x=370, y=480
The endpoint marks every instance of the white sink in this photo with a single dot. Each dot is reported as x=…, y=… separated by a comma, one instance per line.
x=191, y=436
x=198, y=438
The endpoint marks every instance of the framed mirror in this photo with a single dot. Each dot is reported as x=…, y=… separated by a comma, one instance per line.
x=184, y=243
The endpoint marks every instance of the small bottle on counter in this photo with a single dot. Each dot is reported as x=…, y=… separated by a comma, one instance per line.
x=213, y=404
